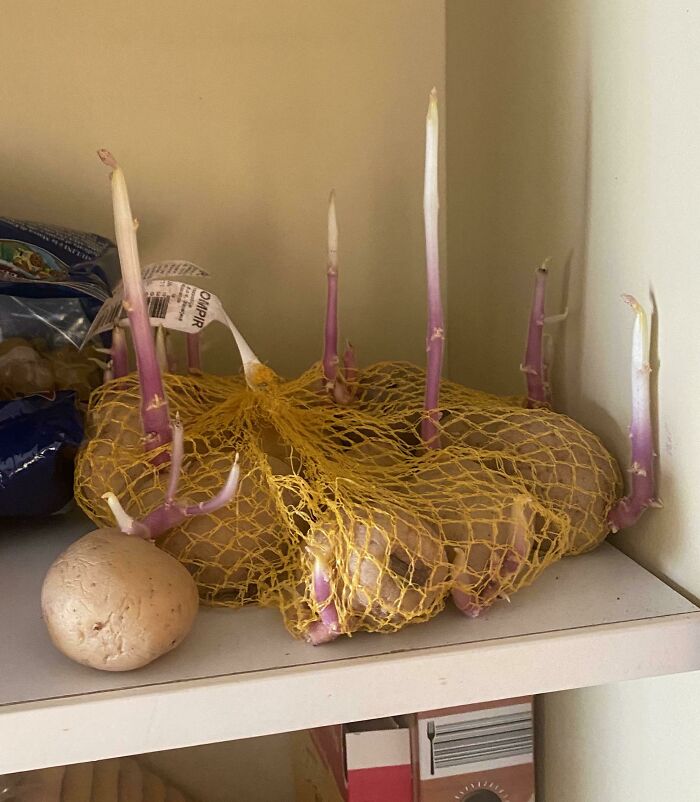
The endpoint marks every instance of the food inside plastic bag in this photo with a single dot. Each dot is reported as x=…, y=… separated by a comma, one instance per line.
x=31, y=367
x=52, y=283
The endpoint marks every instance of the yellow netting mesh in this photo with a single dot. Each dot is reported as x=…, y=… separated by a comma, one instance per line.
x=509, y=491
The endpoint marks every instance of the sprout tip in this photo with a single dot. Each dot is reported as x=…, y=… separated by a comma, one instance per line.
x=107, y=158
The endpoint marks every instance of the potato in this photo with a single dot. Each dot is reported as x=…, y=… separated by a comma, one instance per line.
x=391, y=566
x=485, y=569
x=271, y=443
x=231, y=550
x=560, y=462
x=376, y=454
x=116, y=602
x=493, y=528
x=23, y=371
x=74, y=370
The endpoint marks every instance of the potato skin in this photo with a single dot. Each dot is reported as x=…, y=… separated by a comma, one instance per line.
x=116, y=602
x=232, y=550
x=560, y=461
x=392, y=565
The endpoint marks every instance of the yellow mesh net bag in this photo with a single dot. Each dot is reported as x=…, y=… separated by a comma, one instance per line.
x=342, y=515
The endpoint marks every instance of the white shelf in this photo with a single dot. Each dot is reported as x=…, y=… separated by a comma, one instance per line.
x=589, y=620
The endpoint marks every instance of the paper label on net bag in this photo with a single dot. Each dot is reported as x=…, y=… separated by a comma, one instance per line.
x=172, y=304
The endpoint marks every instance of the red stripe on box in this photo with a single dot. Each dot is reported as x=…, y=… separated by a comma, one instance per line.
x=380, y=784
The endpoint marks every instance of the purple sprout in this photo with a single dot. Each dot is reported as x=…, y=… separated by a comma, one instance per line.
x=643, y=486
x=154, y=405
x=538, y=350
x=171, y=512
x=327, y=628
x=435, y=338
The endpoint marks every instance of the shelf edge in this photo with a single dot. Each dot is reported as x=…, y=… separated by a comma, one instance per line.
x=188, y=713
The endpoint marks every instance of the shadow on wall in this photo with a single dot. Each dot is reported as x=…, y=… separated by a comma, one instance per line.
x=566, y=374
x=518, y=145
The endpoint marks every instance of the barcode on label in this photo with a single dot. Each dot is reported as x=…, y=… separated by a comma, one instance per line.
x=172, y=304
x=476, y=740
x=113, y=311
x=489, y=738
x=158, y=306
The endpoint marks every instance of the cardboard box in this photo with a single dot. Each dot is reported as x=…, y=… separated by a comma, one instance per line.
x=475, y=753
x=360, y=762
x=319, y=771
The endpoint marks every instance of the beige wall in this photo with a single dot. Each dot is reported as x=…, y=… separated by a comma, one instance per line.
x=573, y=129
x=233, y=119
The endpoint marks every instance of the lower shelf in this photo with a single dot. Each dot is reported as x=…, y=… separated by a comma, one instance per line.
x=589, y=620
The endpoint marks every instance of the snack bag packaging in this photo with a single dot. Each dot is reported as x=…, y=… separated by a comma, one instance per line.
x=52, y=283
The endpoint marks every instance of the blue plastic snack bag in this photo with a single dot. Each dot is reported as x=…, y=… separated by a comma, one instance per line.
x=39, y=438
x=52, y=283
